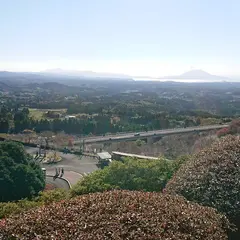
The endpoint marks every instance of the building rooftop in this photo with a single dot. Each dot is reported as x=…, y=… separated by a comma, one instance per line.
x=70, y=116
x=104, y=155
x=134, y=155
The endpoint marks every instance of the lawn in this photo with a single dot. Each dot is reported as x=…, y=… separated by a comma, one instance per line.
x=38, y=114
x=3, y=135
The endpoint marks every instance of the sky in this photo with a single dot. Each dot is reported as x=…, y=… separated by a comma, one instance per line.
x=135, y=37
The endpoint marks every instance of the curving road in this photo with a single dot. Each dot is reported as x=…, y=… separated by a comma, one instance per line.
x=133, y=136
x=58, y=183
x=75, y=167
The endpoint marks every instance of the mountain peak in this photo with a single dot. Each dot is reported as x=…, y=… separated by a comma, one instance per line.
x=198, y=74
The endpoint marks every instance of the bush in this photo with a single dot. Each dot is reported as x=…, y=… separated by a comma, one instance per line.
x=179, y=162
x=10, y=208
x=118, y=215
x=140, y=142
x=94, y=182
x=131, y=174
x=52, y=196
x=20, y=176
x=222, y=132
x=44, y=198
x=233, y=128
x=211, y=178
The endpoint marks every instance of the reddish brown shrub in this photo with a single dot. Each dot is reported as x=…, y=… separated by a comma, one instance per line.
x=234, y=127
x=118, y=215
x=222, y=132
x=212, y=178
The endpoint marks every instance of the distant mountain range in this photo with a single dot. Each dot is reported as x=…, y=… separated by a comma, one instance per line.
x=60, y=76
x=74, y=77
x=199, y=75
x=85, y=74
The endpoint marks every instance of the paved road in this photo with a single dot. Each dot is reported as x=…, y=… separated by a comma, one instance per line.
x=71, y=162
x=59, y=183
x=132, y=136
x=75, y=167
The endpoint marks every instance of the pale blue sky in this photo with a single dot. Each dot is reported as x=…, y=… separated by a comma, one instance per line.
x=137, y=37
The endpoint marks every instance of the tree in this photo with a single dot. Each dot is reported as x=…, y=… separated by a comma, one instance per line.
x=198, y=121
x=211, y=178
x=5, y=116
x=139, y=142
x=21, y=120
x=4, y=125
x=20, y=176
x=131, y=174
x=25, y=111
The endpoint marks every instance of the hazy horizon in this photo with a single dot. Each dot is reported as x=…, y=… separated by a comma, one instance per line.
x=193, y=76
x=153, y=38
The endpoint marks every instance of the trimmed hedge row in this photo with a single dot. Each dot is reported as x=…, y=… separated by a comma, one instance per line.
x=118, y=215
x=212, y=178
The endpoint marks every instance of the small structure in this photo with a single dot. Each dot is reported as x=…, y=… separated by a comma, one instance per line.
x=120, y=155
x=70, y=117
x=28, y=131
x=53, y=114
x=104, y=158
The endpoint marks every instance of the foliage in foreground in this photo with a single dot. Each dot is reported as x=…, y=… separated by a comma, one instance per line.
x=20, y=176
x=131, y=174
x=233, y=128
x=118, y=215
x=44, y=198
x=100, y=181
x=212, y=177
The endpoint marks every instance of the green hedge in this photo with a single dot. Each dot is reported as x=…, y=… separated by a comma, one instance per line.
x=131, y=174
x=44, y=198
